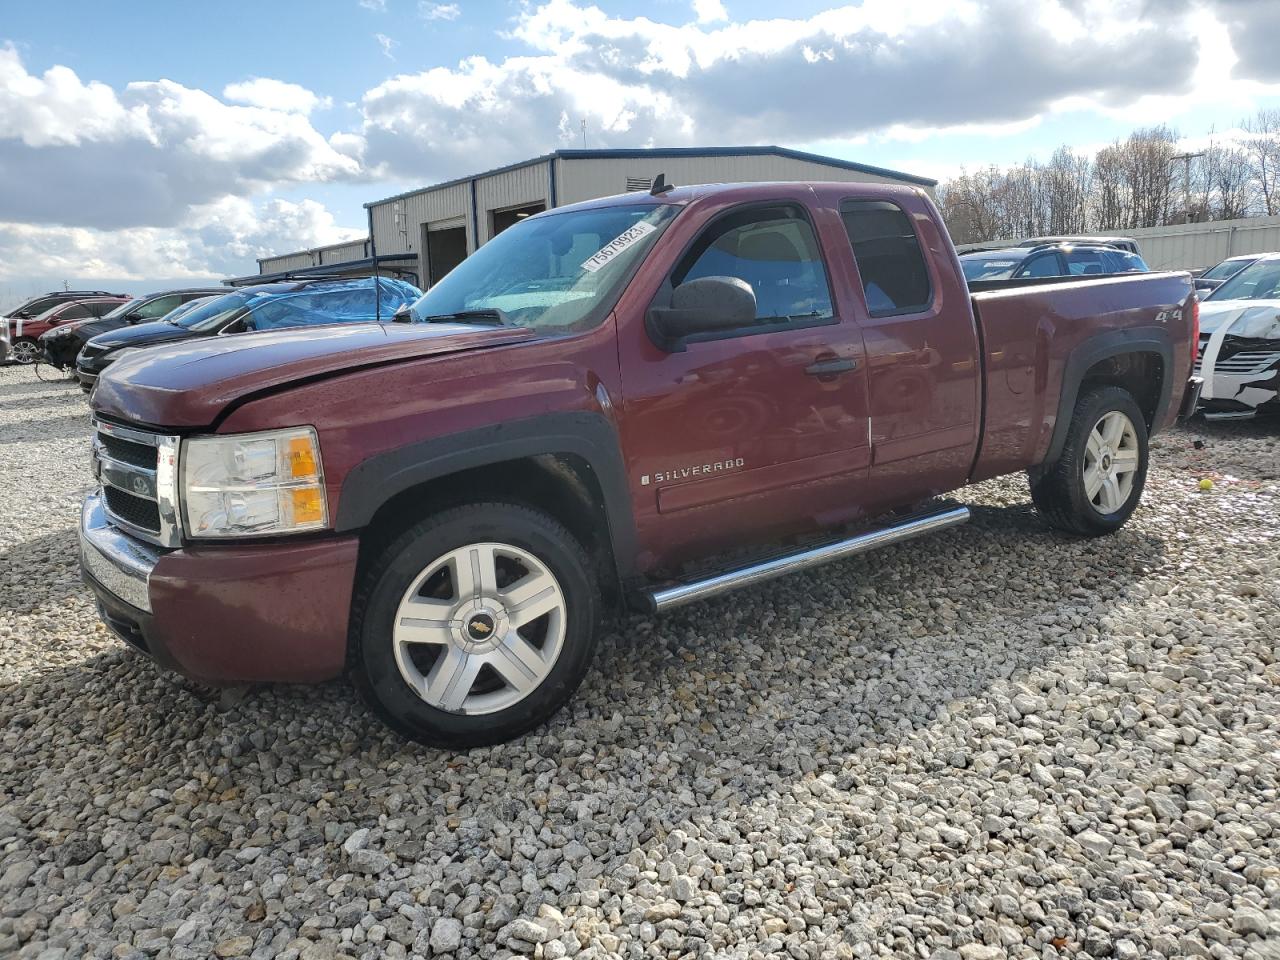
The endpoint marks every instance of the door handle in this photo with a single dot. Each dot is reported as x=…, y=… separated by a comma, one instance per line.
x=827, y=368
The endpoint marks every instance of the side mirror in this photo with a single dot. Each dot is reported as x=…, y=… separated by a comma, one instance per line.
x=705, y=305
x=402, y=314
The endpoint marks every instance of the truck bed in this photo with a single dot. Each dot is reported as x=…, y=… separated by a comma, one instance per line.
x=1034, y=328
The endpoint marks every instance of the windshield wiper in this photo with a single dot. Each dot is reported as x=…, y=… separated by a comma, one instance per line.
x=489, y=314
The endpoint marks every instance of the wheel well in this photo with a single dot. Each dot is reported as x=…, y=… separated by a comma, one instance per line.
x=562, y=485
x=1141, y=374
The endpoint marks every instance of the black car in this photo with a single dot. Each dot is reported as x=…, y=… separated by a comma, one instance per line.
x=265, y=306
x=1050, y=260
x=61, y=346
x=46, y=301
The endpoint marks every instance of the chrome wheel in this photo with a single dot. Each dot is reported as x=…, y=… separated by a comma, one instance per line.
x=1111, y=462
x=27, y=351
x=480, y=628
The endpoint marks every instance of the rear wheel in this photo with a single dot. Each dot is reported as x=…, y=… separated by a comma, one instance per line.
x=1097, y=482
x=476, y=625
x=26, y=350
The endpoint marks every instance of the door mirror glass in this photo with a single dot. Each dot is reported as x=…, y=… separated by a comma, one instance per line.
x=706, y=305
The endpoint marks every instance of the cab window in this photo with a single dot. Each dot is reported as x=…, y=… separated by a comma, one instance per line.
x=885, y=247
x=1042, y=265
x=158, y=307
x=775, y=251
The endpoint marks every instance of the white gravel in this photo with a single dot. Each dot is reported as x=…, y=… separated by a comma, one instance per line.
x=996, y=742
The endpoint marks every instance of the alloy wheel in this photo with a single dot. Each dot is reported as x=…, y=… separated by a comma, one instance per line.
x=1111, y=462
x=480, y=628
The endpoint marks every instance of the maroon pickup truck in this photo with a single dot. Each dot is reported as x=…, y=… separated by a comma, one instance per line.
x=596, y=404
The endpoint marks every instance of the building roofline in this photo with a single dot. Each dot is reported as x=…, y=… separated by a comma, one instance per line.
x=323, y=268
x=659, y=152
x=319, y=249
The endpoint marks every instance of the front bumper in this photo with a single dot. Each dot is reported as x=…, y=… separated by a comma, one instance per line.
x=224, y=614
x=86, y=380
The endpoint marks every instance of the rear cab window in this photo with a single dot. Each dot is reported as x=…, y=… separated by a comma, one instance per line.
x=895, y=277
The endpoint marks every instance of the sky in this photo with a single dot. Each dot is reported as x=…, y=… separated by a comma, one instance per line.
x=146, y=144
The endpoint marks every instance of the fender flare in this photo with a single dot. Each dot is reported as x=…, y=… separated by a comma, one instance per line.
x=588, y=435
x=1101, y=347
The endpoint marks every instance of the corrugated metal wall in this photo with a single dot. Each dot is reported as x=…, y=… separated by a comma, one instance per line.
x=512, y=188
x=428, y=206
x=287, y=261
x=1196, y=246
x=590, y=178
x=344, y=252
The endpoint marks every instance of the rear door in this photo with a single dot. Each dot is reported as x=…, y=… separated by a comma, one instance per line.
x=761, y=428
x=922, y=350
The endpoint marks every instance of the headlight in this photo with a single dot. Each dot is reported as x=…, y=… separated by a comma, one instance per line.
x=253, y=484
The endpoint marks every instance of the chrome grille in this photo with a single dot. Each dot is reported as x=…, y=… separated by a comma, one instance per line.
x=138, y=471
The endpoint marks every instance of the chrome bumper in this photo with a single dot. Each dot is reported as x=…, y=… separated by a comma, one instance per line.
x=118, y=562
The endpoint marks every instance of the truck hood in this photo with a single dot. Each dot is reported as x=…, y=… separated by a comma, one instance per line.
x=188, y=384
x=1255, y=319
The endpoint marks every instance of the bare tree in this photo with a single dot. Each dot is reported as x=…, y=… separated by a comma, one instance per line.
x=1263, y=149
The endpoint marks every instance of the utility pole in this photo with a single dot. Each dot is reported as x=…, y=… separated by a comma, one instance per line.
x=584, y=133
x=1186, y=159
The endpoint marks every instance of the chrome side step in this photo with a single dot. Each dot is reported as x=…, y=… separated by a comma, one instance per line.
x=668, y=598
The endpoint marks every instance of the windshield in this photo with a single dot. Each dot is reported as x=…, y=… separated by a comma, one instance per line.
x=552, y=272
x=1225, y=269
x=1258, y=281
x=209, y=313
x=125, y=308
x=979, y=267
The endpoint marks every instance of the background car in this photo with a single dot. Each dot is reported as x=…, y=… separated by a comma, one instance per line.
x=1127, y=244
x=1050, y=260
x=38, y=305
x=1239, y=349
x=1213, y=278
x=262, y=307
x=24, y=333
x=61, y=346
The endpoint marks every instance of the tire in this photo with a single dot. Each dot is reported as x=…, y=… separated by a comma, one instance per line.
x=457, y=677
x=1062, y=491
x=27, y=351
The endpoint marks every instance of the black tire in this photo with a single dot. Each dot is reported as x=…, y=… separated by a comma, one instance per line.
x=372, y=654
x=1058, y=489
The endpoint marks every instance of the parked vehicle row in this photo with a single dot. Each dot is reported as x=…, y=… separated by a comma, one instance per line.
x=22, y=328
x=584, y=412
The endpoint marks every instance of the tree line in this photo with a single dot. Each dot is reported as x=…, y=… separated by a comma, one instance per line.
x=1139, y=181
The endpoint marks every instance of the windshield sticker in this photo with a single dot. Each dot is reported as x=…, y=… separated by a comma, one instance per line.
x=628, y=238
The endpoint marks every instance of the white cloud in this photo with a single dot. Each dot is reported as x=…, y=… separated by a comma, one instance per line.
x=274, y=95
x=218, y=239
x=438, y=11
x=898, y=69
x=709, y=11
x=386, y=43
x=86, y=155
x=377, y=6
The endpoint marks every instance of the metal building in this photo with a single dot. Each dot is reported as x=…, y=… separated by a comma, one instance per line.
x=1198, y=246
x=441, y=224
x=353, y=258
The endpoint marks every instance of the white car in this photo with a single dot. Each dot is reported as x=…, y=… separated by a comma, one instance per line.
x=1239, y=351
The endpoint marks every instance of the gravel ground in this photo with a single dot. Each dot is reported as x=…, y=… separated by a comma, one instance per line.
x=996, y=742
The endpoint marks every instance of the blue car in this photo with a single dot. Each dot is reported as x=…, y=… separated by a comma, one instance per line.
x=267, y=306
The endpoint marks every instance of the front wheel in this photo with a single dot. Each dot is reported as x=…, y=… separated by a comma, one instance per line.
x=1097, y=482
x=26, y=350
x=476, y=625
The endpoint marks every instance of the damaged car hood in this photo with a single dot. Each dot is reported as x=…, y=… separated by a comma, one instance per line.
x=1255, y=319
x=189, y=383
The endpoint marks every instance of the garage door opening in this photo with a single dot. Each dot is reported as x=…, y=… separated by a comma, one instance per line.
x=501, y=219
x=445, y=250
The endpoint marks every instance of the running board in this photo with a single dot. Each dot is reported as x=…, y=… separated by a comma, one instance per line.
x=668, y=598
